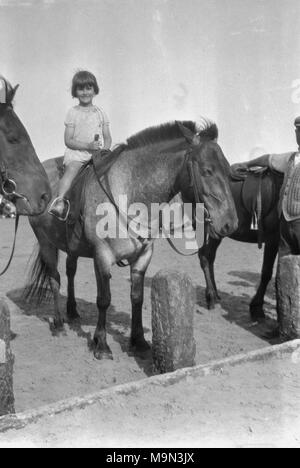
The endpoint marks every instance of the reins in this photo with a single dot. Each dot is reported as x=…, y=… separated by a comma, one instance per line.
x=193, y=169
x=13, y=247
x=8, y=188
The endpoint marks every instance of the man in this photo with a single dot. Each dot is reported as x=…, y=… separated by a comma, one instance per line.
x=289, y=204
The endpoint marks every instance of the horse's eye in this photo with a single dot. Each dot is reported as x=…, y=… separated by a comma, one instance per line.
x=207, y=172
x=12, y=137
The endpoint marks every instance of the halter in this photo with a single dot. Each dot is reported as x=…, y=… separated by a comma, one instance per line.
x=8, y=186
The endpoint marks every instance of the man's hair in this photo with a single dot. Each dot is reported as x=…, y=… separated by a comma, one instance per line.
x=84, y=78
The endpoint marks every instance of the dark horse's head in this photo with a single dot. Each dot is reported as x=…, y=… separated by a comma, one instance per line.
x=23, y=179
x=209, y=171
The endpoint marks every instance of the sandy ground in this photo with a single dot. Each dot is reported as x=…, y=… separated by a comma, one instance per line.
x=251, y=405
x=50, y=368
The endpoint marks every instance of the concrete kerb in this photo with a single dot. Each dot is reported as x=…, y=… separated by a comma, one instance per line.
x=108, y=396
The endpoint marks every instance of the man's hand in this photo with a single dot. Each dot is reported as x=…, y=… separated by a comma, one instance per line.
x=240, y=168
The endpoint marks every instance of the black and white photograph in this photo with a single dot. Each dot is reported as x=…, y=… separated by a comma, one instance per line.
x=149, y=226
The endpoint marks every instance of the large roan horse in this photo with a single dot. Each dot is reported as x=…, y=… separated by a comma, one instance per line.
x=152, y=167
x=253, y=194
x=23, y=179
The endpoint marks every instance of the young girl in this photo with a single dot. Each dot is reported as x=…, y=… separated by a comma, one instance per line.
x=87, y=130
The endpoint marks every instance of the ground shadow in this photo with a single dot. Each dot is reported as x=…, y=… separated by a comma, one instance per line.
x=118, y=323
x=236, y=310
x=250, y=278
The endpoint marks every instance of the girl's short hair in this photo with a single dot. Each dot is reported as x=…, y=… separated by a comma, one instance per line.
x=84, y=78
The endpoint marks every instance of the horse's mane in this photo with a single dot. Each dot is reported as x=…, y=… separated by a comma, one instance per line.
x=206, y=129
x=158, y=133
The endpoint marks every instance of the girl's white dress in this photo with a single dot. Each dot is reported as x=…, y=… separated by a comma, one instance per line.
x=87, y=122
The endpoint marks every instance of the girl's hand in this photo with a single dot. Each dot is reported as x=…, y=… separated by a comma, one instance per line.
x=94, y=146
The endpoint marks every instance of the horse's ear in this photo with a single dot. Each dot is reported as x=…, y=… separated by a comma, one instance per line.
x=190, y=137
x=13, y=93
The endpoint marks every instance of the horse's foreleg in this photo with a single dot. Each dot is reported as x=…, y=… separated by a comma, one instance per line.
x=270, y=253
x=71, y=268
x=138, y=270
x=207, y=256
x=103, y=276
x=55, y=287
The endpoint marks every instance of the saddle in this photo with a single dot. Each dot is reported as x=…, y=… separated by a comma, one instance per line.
x=259, y=195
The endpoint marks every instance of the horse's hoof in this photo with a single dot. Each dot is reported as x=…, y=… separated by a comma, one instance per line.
x=272, y=334
x=57, y=324
x=213, y=305
x=140, y=345
x=212, y=302
x=102, y=355
x=74, y=318
x=257, y=313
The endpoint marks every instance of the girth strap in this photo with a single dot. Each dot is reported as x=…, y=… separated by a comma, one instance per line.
x=259, y=213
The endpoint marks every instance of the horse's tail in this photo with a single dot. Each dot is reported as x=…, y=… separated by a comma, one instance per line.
x=39, y=288
x=207, y=130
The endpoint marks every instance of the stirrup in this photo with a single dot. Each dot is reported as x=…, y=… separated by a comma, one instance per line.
x=62, y=216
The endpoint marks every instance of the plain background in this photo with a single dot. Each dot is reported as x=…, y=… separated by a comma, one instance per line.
x=234, y=61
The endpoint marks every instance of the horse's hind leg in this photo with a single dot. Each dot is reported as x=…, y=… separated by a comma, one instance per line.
x=207, y=256
x=138, y=270
x=71, y=268
x=270, y=253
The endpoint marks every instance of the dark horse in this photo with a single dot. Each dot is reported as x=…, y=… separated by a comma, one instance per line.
x=23, y=179
x=256, y=195
x=152, y=167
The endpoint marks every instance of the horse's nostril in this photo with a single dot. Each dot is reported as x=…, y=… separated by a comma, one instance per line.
x=45, y=197
x=226, y=228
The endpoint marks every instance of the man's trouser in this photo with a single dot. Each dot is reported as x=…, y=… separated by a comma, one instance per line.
x=289, y=237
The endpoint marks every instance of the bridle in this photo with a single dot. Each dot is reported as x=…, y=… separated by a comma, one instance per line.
x=194, y=174
x=8, y=186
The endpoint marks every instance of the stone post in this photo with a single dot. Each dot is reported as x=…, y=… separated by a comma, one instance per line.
x=288, y=296
x=6, y=363
x=173, y=303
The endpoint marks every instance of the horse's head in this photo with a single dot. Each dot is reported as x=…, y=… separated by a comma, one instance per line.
x=206, y=180
x=23, y=179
